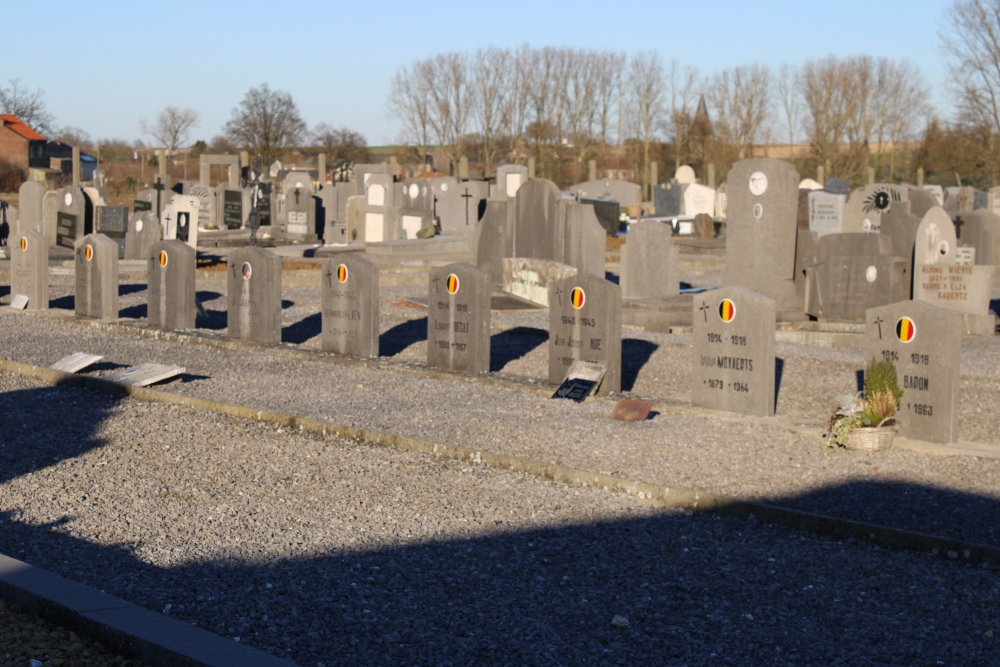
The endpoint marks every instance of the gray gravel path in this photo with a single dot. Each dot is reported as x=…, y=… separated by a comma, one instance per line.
x=332, y=553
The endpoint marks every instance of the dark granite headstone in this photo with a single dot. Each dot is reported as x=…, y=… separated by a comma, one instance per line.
x=232, y=209
x=112, y=221
x=667, y=198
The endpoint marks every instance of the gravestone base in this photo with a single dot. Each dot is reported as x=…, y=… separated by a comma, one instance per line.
x=661, y=316
x=979, y=325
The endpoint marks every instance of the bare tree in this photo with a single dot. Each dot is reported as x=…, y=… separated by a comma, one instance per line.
x=172, y=127
x=491, y=95
x=341, y=144
x=608, y=69
x=683, y=88
x=646, y=93
x=446, y=79
x=790, y=94
x=971, y=40
x=266, y=122
x=740, y=99
x=28, y=106
x=409, y=102
x=74, y=136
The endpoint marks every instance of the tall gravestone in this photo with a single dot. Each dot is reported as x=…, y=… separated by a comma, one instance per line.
x=112, y=221
x=29, y=269
x=458, y=208
x=857, y=272
x=231, y=204
x=667, y=198
x=29, y=203
x=96, y=264
x=510, y=178
x=585, y=318
x=734, y=363
x=650, y=262
x=494, y=238
x=73, y=217
x=181, y=219
x=925, y=344
x=171, y=285
x=350, y=300
x=458, y=319
x=300, y=207
x=254, y=295
x=143, y=231
x=761, y=228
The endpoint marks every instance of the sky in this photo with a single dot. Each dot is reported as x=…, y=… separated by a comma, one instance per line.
x=106, y=66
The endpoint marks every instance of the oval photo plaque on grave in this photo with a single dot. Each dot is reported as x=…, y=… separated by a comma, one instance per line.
x=246, y=270
x=758, y=183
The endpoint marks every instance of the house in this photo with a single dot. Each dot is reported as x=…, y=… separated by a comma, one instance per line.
x=56, y=159
x=19, y=144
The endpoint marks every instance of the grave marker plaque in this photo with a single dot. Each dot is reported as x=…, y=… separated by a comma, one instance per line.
x=96, y=263
x=458, y=319
x=734, y=352
x=171, y=285
x=350, y=295
x=925, y=344
x=232, y=209
x=254, y=295
x=585, y=323
x=112, y=221
x=29, y=269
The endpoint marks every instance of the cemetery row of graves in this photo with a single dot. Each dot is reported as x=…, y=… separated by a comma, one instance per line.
x=912, y=265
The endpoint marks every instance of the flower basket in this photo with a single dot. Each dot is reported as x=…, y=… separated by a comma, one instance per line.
x=872, y=438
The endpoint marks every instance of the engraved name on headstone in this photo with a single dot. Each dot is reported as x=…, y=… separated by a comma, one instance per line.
x=350, y=295
x=458, y=319
x=585, y=315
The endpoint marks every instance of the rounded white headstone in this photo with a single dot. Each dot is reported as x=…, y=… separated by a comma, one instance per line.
x=298, y=184
x=809, y=184
x=758, y=183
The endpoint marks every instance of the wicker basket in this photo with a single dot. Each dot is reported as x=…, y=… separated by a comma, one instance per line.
x=872, y=438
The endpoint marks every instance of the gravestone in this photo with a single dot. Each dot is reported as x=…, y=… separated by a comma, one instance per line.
x=326, y=212
x=826, y=212
x=29, y=269
x=650, y=262
x=145, y=200
x=699, y=199
x=96, y=264
x=529, y=279
x=458, y=208
x=265, y=204
x=537, y=220
x=458, y=319
x=232, y=208
x=809, y=184
x=734, y=365
x=585, y=317
x=607, y=212
x=937, y=192
x=253, y=295
x=417, y=193
x=143, y=232
x=300, y=207
x=363, y=172
x=378, y=213
x=667, y=198
x=869, y=204
x=355, y=218
x=938, y=280
x=838, y=186
x=761, y=228
x=205, y=197
x=50, y=214
x=412, y=220
x=494, y=238
x=704, y=226
x=112, y=221
x=981, y=229
x=925, y=344
x=583, y=238
x=29, y=203
x=74, y=217
x=685, y=175
x=350, y=299
x=181, y=221
x=625, y=193
x=857, y=272
x=721, y=202
x=920, y=200
x=171, y=285
x=510, y=177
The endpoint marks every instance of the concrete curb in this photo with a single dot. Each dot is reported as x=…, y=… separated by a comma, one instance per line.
x=120, y=626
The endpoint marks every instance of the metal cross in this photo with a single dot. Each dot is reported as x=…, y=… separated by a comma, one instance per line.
x=958, y=226
x=159, y=187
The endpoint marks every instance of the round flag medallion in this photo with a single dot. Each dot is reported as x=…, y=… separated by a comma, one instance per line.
x=163, y=258
x=578, y=297
x=727, y=310
x=24, y=243
x=906, y=329
x=88, y=252
x=452, y=284
x=247, y=270
x=342, y=273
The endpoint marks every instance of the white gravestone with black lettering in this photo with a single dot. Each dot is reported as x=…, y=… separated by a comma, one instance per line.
x=205, y=196
x=29, y=269
x=96, y=263
x=925, y=344
x=180, y=220
x=734, y=352
x=350, y=299
x=585, y=323
x=171, y=285
x=699, y=199
x=254, y=295
x=458, y=319
x=143, y=231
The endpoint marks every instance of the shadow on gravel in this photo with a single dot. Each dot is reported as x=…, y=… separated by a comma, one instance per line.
x=64, y=302
x=4, y=291
x=635, y=354
x=510, y=345
x=779, y=370
x=104, y=366
x=124, y=290
x=138, y=312
x=285, y=304
x=303, y=330
x=216, y=320
x=402, y=336
x=658, y=588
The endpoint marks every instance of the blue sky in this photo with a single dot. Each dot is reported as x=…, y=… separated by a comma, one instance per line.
x=104, y=66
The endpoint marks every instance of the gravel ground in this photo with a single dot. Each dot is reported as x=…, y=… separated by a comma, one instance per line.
x=332, y=553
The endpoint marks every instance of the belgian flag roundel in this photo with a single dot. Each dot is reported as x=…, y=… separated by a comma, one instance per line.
x=578, y=297
x=342, y=273
x=906, y=329
x=163, y=258
x=24, y=243
x=452, y=284
x=88, y=252
x=727, y=310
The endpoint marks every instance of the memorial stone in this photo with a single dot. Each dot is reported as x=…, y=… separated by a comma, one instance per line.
x=412, y=220
x=869, y=204
x=650, y=262
x=857, y=272
x=937, y=279
x=29, y=202
x=925, y=344
x=50, y=214
x=181, y=221
x=826, y=212
x=205, y=197
x=73, y=217
x=232, y=208
x=96, y=264
x=838, y=186
x=458, y=208
x=300, y=207
x=458, y=319
x=583, y=238
x=529, y=279
x=254, y=295
x=685, y=175
x=699, y=199
x=937, y=192
x=510, y=177
x=417, y=193
x=625, y=193
x=494, y=238
x=112, y=221
x=350, y=300
x=734, y=367
x=667, y=198
x=143, y=232
x=585, y=315
x=29, y=269
x=171, y=285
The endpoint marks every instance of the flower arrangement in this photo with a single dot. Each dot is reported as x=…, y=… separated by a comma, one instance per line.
x=875, y=407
